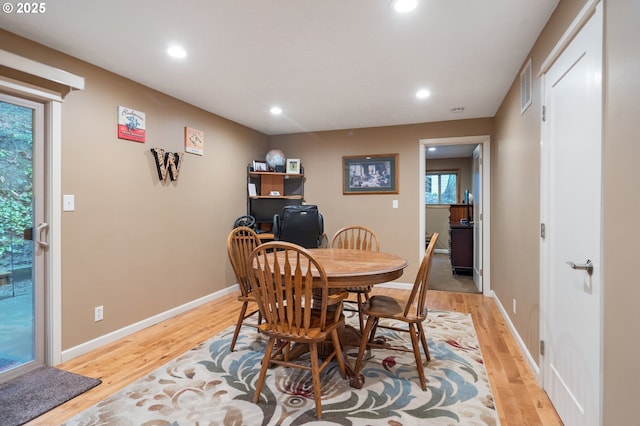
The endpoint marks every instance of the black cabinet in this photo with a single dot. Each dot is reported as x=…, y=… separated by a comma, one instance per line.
x=461, y=247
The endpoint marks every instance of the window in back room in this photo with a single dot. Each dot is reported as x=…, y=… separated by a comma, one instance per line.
x=441, y=187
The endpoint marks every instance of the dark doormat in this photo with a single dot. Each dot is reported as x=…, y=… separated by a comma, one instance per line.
x=33, y=394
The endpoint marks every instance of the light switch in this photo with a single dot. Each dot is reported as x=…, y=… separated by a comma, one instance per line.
x=395, y=204
x=68, y=203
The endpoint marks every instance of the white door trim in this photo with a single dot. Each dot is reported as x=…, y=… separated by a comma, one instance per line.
x=485, y=141
x=54, y=265
x=583, y=16
x=29, y=66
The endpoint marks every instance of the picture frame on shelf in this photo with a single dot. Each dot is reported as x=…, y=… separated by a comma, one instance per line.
x=251, y=187
x=293, y=166
x=260, y=166
x=370, y=174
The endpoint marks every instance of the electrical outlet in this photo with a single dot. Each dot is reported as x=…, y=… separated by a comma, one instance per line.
x=98, y=313
x=514, y=306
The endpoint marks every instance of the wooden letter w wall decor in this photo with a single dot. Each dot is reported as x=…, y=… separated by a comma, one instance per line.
x=167, y=162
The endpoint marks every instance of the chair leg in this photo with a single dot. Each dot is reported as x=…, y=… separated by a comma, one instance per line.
x=315, y=372
x=339, y=353
x=374, y=330
x=243, y=312
x=363, y=343
x=416, y=354
x=263, y=370
x=361, y=298
x=423, y=337
x=360, y=303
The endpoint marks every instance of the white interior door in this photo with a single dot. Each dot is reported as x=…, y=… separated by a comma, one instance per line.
x=476, y=191
x=571, y=213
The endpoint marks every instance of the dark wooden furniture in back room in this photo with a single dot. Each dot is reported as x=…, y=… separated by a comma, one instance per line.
x=461, y=237
x=461, y=247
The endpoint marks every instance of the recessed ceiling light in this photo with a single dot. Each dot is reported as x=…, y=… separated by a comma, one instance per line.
x=422, y=94
x=176, y=52
x=276, y=110
x=403, y=6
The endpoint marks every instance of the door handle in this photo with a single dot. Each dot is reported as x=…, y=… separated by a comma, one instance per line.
x=43, y=227
x=588, y=266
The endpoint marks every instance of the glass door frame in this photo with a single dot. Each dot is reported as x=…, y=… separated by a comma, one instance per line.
x=39, y=251
x=53, y=207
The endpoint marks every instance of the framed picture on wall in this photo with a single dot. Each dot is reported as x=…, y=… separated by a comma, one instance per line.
x=193, y=141
x=131, y=124
x=370, y=174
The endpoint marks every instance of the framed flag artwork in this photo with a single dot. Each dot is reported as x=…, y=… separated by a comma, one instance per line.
x=131, y=124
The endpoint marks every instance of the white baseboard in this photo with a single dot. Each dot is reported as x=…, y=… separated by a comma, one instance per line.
x=130, y=329
x=443, y=251
x=527, y=355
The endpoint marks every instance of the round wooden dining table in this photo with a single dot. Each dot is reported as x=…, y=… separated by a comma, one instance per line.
x=355, y=268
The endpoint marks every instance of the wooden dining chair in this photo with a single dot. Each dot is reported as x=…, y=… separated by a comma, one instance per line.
x=357, y=237
x=412, y=312
x=240, y=243
x=295, y=310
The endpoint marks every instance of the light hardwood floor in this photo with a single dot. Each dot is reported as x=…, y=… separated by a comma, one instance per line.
x=519, y=399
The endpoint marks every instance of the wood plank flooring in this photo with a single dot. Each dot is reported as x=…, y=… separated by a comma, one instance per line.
x=519, y=399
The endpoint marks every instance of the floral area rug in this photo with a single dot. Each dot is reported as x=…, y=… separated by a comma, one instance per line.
x=209, y=385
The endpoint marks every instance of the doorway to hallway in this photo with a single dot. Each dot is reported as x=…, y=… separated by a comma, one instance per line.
x=478, y=218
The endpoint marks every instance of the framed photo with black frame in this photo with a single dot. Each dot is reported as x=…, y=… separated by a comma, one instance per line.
x=260, y=166
x=370, y=174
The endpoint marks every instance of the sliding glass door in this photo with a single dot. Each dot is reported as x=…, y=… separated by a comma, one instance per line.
x=23, y=234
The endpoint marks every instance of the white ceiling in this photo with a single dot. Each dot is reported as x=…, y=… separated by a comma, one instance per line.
x=329, y=64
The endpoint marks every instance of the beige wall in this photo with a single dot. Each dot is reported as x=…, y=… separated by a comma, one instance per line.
x=621, y=289
x=437, y=220
x=321, y=154
x=515, y=191
x=135, y=245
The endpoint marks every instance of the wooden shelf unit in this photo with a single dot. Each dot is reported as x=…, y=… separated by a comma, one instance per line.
x=263, y=205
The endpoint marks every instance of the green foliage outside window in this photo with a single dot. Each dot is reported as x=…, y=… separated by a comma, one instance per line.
x=16, y=176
